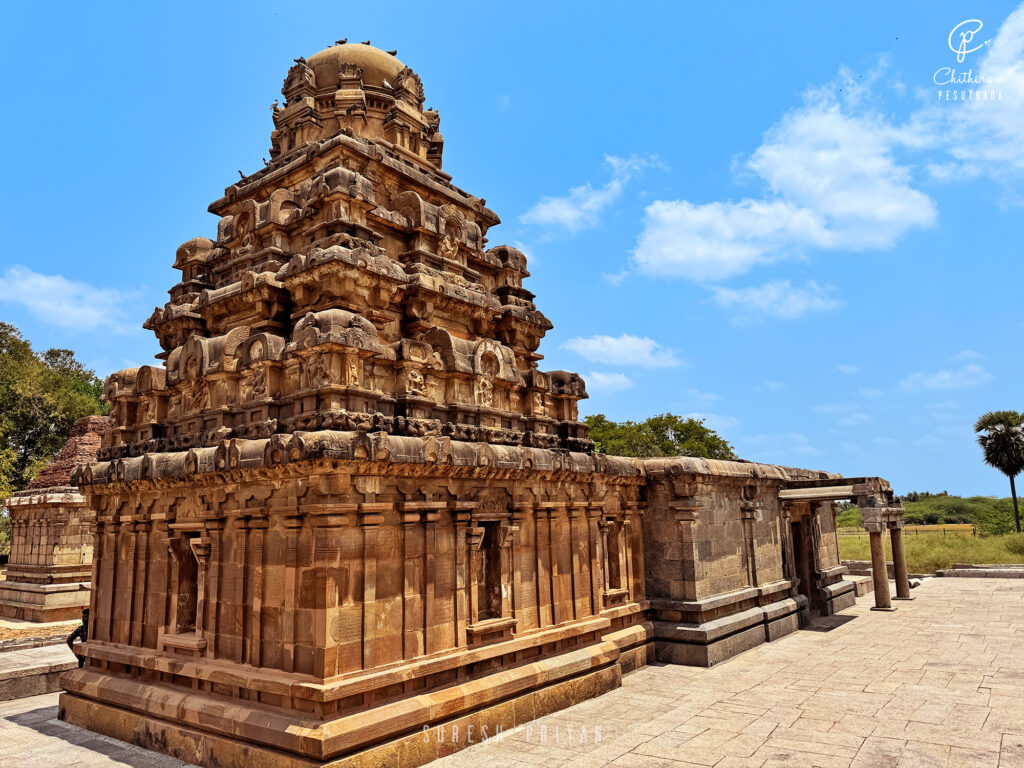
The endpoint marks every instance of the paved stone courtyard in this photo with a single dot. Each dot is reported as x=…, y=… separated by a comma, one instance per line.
x=939, y=683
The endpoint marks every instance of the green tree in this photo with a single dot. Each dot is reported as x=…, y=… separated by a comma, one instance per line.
x=41, y=396
x=1001, y=437
x=662, y=435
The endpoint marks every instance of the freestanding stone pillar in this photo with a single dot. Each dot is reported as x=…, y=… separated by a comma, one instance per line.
x=899, y=562
x=879, y=572
x=881, y=513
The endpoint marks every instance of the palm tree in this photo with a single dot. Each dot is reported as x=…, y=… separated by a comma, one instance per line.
x=1001, y=437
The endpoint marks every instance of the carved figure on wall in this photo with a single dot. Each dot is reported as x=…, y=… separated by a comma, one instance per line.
x=244, y=228
x=414, y=382
x=317, y=371
x=448, y=248
x=146, y=414
x=484, y=391
x=199, y=394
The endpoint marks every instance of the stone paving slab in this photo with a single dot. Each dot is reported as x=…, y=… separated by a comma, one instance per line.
x=940, y=682
x=13, y=663
x=31, y=736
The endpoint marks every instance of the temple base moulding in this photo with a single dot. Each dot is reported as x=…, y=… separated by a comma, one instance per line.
x=416, y=748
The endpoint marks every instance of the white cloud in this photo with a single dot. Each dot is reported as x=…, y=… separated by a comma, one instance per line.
x=965, y=355
x=615, y=278
x=777, y=298
x=608, y=382
x=696, y=394
x=847, y=370
x=583, y=206
x=854, y=419
x=986, y=137
x=832, y=182
x=66, y=303
x=624, y=349
x=945, y=412
x=839, y=172
x=960, y=378
x=715, y=241
x=770, y=386
x=715, y=421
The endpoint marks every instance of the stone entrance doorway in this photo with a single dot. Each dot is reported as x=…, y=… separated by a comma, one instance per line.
x=802, y=552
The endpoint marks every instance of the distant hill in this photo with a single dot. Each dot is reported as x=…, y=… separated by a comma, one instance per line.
x=990, y=514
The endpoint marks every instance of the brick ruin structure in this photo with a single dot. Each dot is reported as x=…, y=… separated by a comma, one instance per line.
x=349, y=518
x=50, y=563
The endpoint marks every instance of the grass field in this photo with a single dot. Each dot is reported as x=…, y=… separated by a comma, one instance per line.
x=941, y=529
x=929, y=552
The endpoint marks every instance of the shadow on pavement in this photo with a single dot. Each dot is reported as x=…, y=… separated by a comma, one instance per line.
x=43, y=721
x=828, y=623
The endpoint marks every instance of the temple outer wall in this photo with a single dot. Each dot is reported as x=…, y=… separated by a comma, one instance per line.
x=353, y=597
x=361, y=601
x=49, y=571
x=50, y=566
x=729, y=565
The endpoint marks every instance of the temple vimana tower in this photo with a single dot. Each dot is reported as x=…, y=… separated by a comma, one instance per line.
x=350, y=521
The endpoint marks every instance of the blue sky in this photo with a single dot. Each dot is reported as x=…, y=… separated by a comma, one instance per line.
x=764, y=213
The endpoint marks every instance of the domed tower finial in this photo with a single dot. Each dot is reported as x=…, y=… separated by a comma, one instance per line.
x=360, y=89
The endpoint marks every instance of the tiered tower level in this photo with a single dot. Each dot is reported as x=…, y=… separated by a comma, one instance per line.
x=350, y=287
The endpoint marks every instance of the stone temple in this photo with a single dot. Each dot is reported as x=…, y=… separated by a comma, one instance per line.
x=350, y=521
x=51, y=544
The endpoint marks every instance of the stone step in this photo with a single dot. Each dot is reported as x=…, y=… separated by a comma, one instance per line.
x=33, y=671
x=862, y=585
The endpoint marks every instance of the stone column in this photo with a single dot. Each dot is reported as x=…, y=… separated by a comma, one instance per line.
x=878, y=572
x=604, y=526
x=371, y=516
x=684, y=510
x=595, y=555
x=899, y=562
